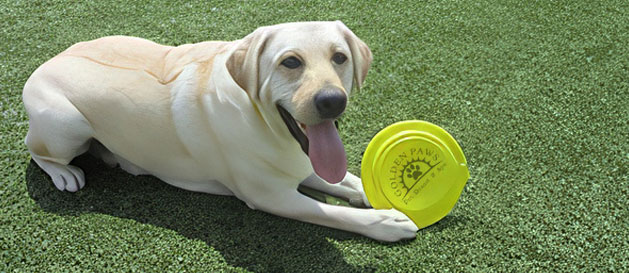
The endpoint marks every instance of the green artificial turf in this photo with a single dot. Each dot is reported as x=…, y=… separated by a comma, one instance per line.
x=536, y=93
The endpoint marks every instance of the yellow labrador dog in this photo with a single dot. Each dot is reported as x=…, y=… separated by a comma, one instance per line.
x=252, y=118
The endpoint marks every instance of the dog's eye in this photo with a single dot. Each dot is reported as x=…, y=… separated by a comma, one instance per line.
x=291, y=62
x=339, y=58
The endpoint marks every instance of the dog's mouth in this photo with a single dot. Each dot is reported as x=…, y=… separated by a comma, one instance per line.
x=322, y=144
x=294, y=128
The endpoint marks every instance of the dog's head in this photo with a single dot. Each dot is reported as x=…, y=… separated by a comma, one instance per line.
x=305, y=72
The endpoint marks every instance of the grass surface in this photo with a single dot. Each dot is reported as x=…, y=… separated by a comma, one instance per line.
x=537, y=94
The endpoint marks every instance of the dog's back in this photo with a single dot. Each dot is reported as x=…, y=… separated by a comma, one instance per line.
x=164, y=63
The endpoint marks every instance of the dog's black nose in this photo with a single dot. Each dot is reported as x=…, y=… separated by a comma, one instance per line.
x=330, y=102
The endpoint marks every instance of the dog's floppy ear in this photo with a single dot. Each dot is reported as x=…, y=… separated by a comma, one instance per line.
x=361, y=55
x=244, y=61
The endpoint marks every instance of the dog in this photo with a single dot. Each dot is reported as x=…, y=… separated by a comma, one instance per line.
x=251, y=118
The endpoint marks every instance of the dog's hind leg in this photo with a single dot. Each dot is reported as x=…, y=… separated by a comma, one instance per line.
x=112, y=160
x=58, y=132
x=99, y=150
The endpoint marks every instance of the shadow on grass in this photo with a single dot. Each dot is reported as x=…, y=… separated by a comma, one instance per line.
x=246, y=238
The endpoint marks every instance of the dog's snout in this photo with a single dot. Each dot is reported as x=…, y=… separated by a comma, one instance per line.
x=330, y=102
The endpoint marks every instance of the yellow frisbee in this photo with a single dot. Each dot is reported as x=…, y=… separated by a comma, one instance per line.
x=415, y=167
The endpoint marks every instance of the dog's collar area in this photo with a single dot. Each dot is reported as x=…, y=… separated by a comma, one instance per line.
x=294, y=129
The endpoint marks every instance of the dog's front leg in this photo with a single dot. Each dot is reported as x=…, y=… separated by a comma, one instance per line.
x=384, y=225
x=350, y=188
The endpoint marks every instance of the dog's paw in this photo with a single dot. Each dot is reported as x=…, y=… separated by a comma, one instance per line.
x=391, y=226
x=356, y=196
x=359, y=199
x=67, y=177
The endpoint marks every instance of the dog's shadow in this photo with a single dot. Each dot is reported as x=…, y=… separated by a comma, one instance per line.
x=246, y=238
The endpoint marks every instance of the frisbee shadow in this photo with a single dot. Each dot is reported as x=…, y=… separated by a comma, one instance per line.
x=254, y=240
x=448, y=222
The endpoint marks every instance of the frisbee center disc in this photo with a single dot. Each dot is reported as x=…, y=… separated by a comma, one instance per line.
x=409, y=173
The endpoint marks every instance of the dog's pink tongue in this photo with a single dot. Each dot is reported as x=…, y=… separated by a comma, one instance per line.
x=326, y=151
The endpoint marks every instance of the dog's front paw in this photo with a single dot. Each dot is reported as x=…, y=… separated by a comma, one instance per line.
x=359, y=199
x=390, y=226
x=356, y=194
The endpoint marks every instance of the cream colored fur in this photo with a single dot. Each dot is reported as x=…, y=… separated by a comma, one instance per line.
x=203, y=117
